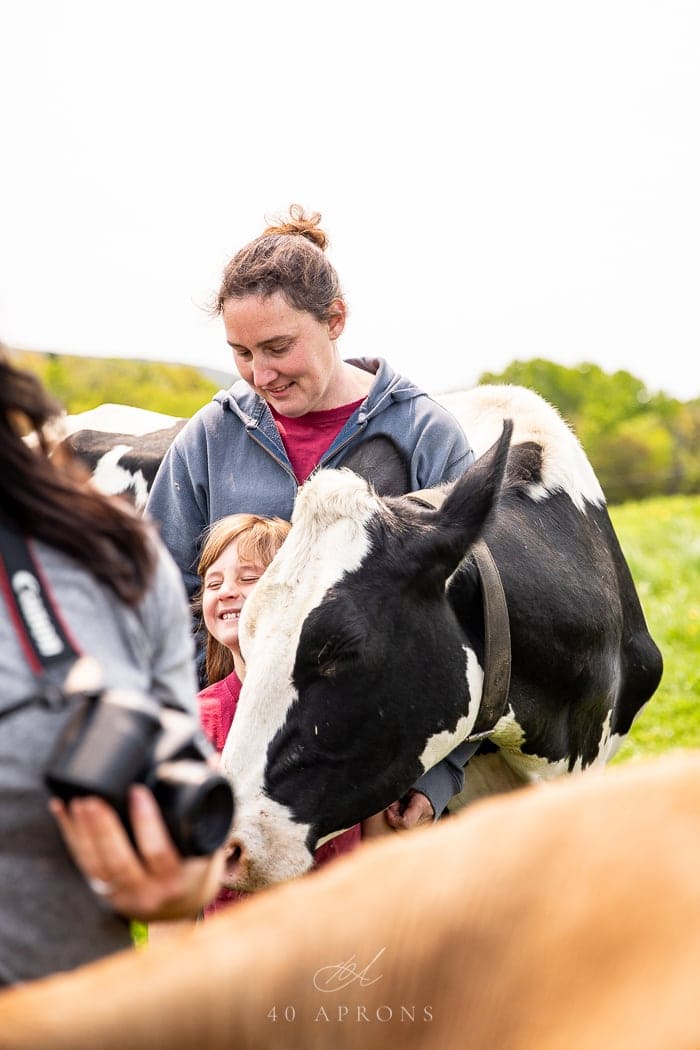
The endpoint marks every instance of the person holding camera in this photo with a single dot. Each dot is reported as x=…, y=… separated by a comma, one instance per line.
x=101, y=584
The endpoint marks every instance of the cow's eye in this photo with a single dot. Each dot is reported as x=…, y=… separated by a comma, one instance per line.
x=335, y=654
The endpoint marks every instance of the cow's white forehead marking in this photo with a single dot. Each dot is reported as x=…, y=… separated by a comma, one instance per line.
x=328, y=539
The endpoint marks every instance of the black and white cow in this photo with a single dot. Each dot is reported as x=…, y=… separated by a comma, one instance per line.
x=365, y=640
x=121, y=446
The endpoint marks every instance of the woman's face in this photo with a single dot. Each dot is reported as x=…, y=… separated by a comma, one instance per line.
x=286, y=355
x=227, y=583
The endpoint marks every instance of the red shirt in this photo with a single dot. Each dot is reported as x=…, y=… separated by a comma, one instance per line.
x=217, y=706
x=307, y=437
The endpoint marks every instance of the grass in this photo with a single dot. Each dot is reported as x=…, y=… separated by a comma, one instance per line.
x=661, y=541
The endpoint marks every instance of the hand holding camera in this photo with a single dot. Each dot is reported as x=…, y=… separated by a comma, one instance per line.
x=139, y=807
x=116, y=738
x=148, y=881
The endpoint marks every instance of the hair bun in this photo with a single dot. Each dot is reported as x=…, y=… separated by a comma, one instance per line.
x=301, y=225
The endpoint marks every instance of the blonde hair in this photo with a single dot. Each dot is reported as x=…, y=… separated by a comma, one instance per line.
x=259, y=539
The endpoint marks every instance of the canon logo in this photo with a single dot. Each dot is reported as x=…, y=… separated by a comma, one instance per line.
x=28, y=593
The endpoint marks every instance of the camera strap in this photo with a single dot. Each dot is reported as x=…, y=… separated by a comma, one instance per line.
x=44, y=638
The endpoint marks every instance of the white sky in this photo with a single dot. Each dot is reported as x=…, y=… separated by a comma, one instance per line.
x=500, y=179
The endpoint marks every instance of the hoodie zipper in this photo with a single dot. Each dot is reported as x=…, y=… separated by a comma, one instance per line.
x=351, y=437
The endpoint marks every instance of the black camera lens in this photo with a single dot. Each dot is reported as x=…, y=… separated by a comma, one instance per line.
x=196, y=803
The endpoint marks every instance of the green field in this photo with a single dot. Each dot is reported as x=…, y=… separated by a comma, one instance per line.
x=661, y=541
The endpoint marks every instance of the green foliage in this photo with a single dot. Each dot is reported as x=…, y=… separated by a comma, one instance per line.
x=640, y=444
x=81, y=383
x=636, y=460
x=661, y=541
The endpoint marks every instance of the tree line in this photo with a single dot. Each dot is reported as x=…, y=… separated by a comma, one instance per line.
x=640, y=443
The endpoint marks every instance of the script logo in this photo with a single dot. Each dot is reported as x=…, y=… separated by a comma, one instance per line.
x=336, y=976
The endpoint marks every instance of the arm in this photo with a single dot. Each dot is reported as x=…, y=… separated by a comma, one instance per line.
x=167, y=632
x=442, y=451
x=429, y=796
x=178, y=505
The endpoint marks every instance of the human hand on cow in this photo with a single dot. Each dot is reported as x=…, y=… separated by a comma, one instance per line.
x=408, y=812
x=151, y=882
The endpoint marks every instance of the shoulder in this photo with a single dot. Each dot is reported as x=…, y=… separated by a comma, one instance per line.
x=404, y=393
x=217, y=707
x=436, y=413
x=209, y=705
x=239, y=404
x=164, y=609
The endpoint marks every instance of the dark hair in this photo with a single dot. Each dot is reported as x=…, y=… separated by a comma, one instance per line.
x=51, y=499
x=288, y=258
x=259, y=539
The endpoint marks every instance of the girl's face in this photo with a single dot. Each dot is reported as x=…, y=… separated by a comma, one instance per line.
x=227, y=583
x=286, y=355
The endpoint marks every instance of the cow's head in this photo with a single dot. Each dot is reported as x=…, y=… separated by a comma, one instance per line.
x=359, y=677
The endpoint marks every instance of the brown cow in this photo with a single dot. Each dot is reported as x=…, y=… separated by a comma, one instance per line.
x=562, y=917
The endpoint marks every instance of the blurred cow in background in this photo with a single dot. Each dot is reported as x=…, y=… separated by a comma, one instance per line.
x=121, y=446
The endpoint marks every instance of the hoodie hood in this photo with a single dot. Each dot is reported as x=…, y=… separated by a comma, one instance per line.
x=388, y=386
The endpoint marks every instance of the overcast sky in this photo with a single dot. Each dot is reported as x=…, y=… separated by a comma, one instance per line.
x=499, y=179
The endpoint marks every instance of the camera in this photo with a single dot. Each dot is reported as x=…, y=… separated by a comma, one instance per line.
x=116, y=738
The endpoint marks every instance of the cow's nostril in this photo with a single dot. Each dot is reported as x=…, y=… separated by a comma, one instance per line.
x=234, y=852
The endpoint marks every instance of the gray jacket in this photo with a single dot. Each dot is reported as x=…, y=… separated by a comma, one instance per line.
x=49, y=919
x=229, y=458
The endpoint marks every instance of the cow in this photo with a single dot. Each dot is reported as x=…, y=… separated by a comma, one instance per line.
x=122, y=447
x=566, y=915
x=370, y=654
x=554, y=688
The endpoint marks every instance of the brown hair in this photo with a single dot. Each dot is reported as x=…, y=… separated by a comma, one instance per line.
x=289, y=258
x=259, y=539
x=51, y=499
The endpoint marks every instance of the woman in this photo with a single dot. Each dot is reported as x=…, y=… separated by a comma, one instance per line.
x=237, y=551
x=296, y=408
x=122, y=603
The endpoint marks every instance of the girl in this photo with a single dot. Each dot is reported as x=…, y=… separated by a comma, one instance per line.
x=237, y=551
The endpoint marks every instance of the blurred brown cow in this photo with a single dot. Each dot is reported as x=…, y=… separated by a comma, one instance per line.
x=563, y=917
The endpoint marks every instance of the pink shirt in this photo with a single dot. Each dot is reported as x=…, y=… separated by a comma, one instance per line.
x=217, y=706
x=307, y=437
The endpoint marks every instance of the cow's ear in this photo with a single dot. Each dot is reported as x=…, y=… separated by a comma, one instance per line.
x=459, y=522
